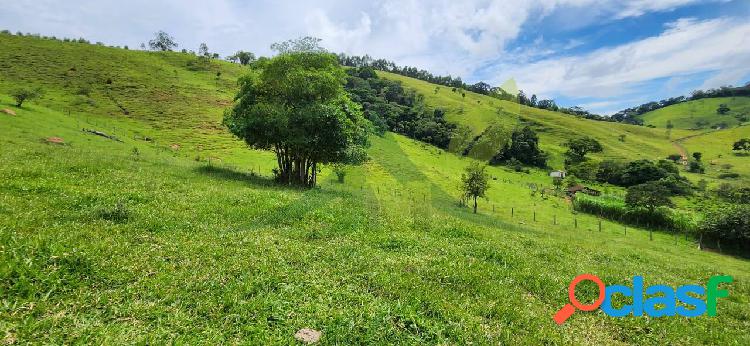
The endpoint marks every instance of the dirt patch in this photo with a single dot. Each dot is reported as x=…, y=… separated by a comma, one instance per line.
x=54, y=140
x=307, y=335
x=8, y=111
x=175, y=147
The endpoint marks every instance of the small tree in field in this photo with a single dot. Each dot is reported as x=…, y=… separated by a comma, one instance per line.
x=24, y=94
x=295, y=105
x=650, y=195
x=162, y=42
x=245, y=57
x=475, y=182
x=203, y=51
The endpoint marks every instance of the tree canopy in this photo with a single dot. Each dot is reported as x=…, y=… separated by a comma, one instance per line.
x=295, y=105
x=742, y=145
x=307, y=44
x=23, y=94
x=475, y=182
x=390, y=107
x=649, y=195
x=579, y=147
x=524, y=147
x=162, y=42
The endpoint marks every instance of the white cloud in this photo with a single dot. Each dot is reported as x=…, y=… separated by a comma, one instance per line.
x=685, y=47
x=634, y=8
x=443, y=36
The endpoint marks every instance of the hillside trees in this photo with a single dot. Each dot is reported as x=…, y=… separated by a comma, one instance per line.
x=162, y=42
x=295, y=105
x=730, y=225
x=244, y=57
x=475, y=182
x=306, y=44
x=390, y=107
x=524, y=147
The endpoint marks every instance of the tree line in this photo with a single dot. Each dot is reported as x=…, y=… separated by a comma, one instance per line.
x=456, y=83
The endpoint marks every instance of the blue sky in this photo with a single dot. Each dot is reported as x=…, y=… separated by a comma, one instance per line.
x=604, y=55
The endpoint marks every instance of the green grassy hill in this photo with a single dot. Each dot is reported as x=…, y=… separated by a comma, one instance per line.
x=701, y=114
x=174, y=99
x=137, y=241
x=478, y=111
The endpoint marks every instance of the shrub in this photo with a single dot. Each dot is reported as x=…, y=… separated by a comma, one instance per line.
x=340, y=172
x=729, y=225
x=696, y=167
x=84, y=90
x=24, y=94
x=614, y=208
x=729, y=175
x=119, y=213
x=733, y=193
x=586, y=170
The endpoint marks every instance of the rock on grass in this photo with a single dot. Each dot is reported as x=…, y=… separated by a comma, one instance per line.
x=307, y=335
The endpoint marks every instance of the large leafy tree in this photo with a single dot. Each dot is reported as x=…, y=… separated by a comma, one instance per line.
x=524, y=147
x=295, y=105
x=579, y=147
x=245, y=57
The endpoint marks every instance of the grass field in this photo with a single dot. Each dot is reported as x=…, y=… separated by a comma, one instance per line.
x=135, y=242
x=478, y=111
x=700, y=114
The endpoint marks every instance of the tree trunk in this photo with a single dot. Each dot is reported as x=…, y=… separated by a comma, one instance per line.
x=475, y=204
x=295, y=168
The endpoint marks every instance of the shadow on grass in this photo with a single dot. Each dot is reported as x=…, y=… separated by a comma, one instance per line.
x=230, y=174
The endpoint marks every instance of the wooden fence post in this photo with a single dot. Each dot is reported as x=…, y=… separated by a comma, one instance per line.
x=534, y=215
x=575, y=220
x=600, y=225
x=512, y=212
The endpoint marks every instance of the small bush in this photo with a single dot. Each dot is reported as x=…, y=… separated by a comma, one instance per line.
x=340, y=173
x=119, y=213
x=729, y=175
x=84, y=90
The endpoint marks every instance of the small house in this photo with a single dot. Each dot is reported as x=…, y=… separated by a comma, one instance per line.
x=557, y=174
